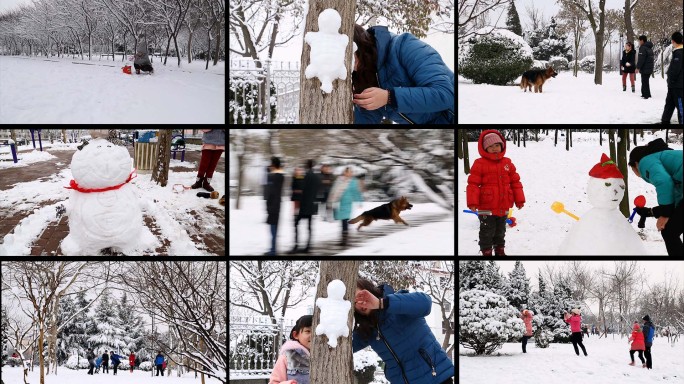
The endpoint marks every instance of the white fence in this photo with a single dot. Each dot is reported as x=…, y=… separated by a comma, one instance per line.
x=250, y=103
x=254, y=343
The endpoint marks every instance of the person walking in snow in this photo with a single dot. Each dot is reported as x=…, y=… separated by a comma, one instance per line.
x=131, y=361
x=526, y=315
x=637, y=340
x=116, y=360
x=493, y=185
x=675, y=83
x=105, y=362
x=142, y=59
x=308, y=207
x=213, y=145
x=585, y=330
x=91, y=361
x=293, y=359
x=272, y=193
x=645, y=65
x=649, y=331
x=159, y=362
x=575, y=320
x=343, y=193
x=628, y=65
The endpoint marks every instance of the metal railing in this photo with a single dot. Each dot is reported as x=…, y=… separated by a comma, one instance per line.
x=250, y=103
x=254, y=343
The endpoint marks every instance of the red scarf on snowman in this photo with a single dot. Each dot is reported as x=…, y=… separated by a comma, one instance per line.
x=74, y=185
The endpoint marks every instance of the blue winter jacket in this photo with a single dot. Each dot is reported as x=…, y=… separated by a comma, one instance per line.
x=421, y=84
x=404, y=333
x=664, y=170
x=649, y=331
x=116, y=359
x=159, y=360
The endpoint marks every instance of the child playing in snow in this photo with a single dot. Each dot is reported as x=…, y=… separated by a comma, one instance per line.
x=638, y=344
x=493, y=185
x=575, y=321
x=292, y=366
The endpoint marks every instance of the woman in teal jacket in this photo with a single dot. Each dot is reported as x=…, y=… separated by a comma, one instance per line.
x=394, y=326
x=400, y=78
x=661, y=166
x=343, y=193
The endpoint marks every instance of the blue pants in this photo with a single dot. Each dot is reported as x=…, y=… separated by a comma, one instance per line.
x=673, y=100
x=274, y=231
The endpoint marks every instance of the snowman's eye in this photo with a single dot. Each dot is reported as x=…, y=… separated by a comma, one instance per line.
x=622, y=186
x=608, y=184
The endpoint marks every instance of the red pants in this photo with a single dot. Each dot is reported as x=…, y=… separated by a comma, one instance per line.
x=208, y=162
x=624, y=78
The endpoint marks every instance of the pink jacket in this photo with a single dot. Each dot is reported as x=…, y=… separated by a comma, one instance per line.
x=527, y=318
x=575, y=322
x=279, y=374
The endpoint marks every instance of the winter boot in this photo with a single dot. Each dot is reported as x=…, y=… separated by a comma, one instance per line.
x=632, y=363
x=624, y=88
x=137, y=71
x=486, y=252
x=632, y=89
x=643, y=365
x=499, y=251
x=198, y=183
x=207, y=186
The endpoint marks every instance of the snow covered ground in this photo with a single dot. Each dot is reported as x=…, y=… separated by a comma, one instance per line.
x=566, y=100
x=52, y=90
x=250, y=235
x=70, y=376
x=551, y=174
x=606, y=363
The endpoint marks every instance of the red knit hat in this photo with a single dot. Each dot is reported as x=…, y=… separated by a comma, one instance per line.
x=606, y=169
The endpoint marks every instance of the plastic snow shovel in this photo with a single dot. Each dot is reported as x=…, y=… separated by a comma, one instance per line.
x=558, y=207
x=510, y=220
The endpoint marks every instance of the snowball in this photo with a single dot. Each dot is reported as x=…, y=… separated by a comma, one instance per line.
x=334, y=313
x=327, y=50
x=105, y=219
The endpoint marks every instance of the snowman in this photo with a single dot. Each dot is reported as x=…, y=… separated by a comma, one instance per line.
x=334, y=313
x=327, y=50
x=603, y=230
x=103, y=209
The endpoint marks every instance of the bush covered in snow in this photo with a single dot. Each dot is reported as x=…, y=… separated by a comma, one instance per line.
x=77, y=362
x=486, y=321
x=146, y=366
x=497, y=57
x=588, y=63
x=365, y=365
x=559, y=63
x=542, y=336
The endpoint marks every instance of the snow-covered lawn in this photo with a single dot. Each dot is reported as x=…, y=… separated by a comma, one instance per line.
x=70, y=376
x=40, y=90
x=606, y=363
x=566, y=100
x=551, y=174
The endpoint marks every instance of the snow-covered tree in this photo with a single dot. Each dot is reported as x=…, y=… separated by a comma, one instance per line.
x=486, y=321
x=109, y=335
x=477, y=274
x=518, y=287
x=131, y=325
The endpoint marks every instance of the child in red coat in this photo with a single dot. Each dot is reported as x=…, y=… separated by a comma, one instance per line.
x=493, y=185
x=638, y=344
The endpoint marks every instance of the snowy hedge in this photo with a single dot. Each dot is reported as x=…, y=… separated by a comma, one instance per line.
x=77, y=362
x=558, y=63
x=497, y=57
x=486, y=321
x=365, y=365
x=146, y=366
x=588, y=63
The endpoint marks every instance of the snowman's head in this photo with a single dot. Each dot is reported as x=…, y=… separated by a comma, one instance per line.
x=605, y=193
x=101, y=164
x=336, y=290
x=329, y=21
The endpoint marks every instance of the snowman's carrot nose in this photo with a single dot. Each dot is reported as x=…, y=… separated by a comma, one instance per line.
x=558, y=207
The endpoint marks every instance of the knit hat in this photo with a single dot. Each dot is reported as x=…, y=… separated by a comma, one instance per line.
x=576, y=311
x=646, y=318
x=491, y=139
x=606, y=169
x=636, y=327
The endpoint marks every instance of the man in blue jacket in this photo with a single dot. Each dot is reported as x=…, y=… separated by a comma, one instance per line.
x=116, y=359
x=159, y=361
x=400, y=336
x=649, y=331
x=400, y=78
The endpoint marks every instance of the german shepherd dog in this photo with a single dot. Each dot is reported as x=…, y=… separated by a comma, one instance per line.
x=536, y=77
x=387, y=211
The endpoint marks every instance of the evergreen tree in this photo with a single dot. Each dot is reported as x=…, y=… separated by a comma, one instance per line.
x=65, y=336
x=131, y=326
x=513, y=20
x=518, y=287
x=477, y=274
x=109, y=336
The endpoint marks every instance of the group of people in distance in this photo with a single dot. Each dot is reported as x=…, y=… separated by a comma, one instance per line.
x=103, y=361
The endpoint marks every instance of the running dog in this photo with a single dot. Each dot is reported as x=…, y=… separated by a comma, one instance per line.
x=536, y=77
x=387, y=211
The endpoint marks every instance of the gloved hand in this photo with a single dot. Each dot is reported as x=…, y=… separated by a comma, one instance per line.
x=644, y=211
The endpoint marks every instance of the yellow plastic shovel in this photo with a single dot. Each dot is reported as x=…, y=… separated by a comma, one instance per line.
x=558, y=207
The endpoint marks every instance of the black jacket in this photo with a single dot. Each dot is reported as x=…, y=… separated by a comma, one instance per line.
x=274, y=190
x=628, y=58
x=105, y=357
x=645, y=63
x=311, y=185
x=674, y=72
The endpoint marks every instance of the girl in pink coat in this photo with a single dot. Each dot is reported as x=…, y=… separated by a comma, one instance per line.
x=575, y=321
x=526, y=315
x=293, y=363
x=638, y=344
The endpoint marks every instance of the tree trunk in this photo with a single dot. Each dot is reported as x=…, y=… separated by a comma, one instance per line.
x=160, y=173
x=218, y=43
x=41, y=358
x=623, y=134
x=567, y=139
x=316, y=106
x=459, y=145
x=466, y=157
x=334, y=365
x=611, y=142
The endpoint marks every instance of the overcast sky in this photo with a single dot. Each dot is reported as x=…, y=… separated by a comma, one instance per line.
x=10, y=4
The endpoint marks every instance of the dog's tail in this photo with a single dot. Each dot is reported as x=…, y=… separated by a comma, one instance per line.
x=356, y=219
x=523, y=82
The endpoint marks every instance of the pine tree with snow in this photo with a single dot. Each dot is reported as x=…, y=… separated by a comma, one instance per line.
x=483, y=275
x=517, y=289
x=486, y=321
x=109, y=335
x=131, y=326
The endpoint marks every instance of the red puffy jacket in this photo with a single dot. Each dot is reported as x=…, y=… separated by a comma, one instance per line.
x=493, y=183
x=638, y=341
